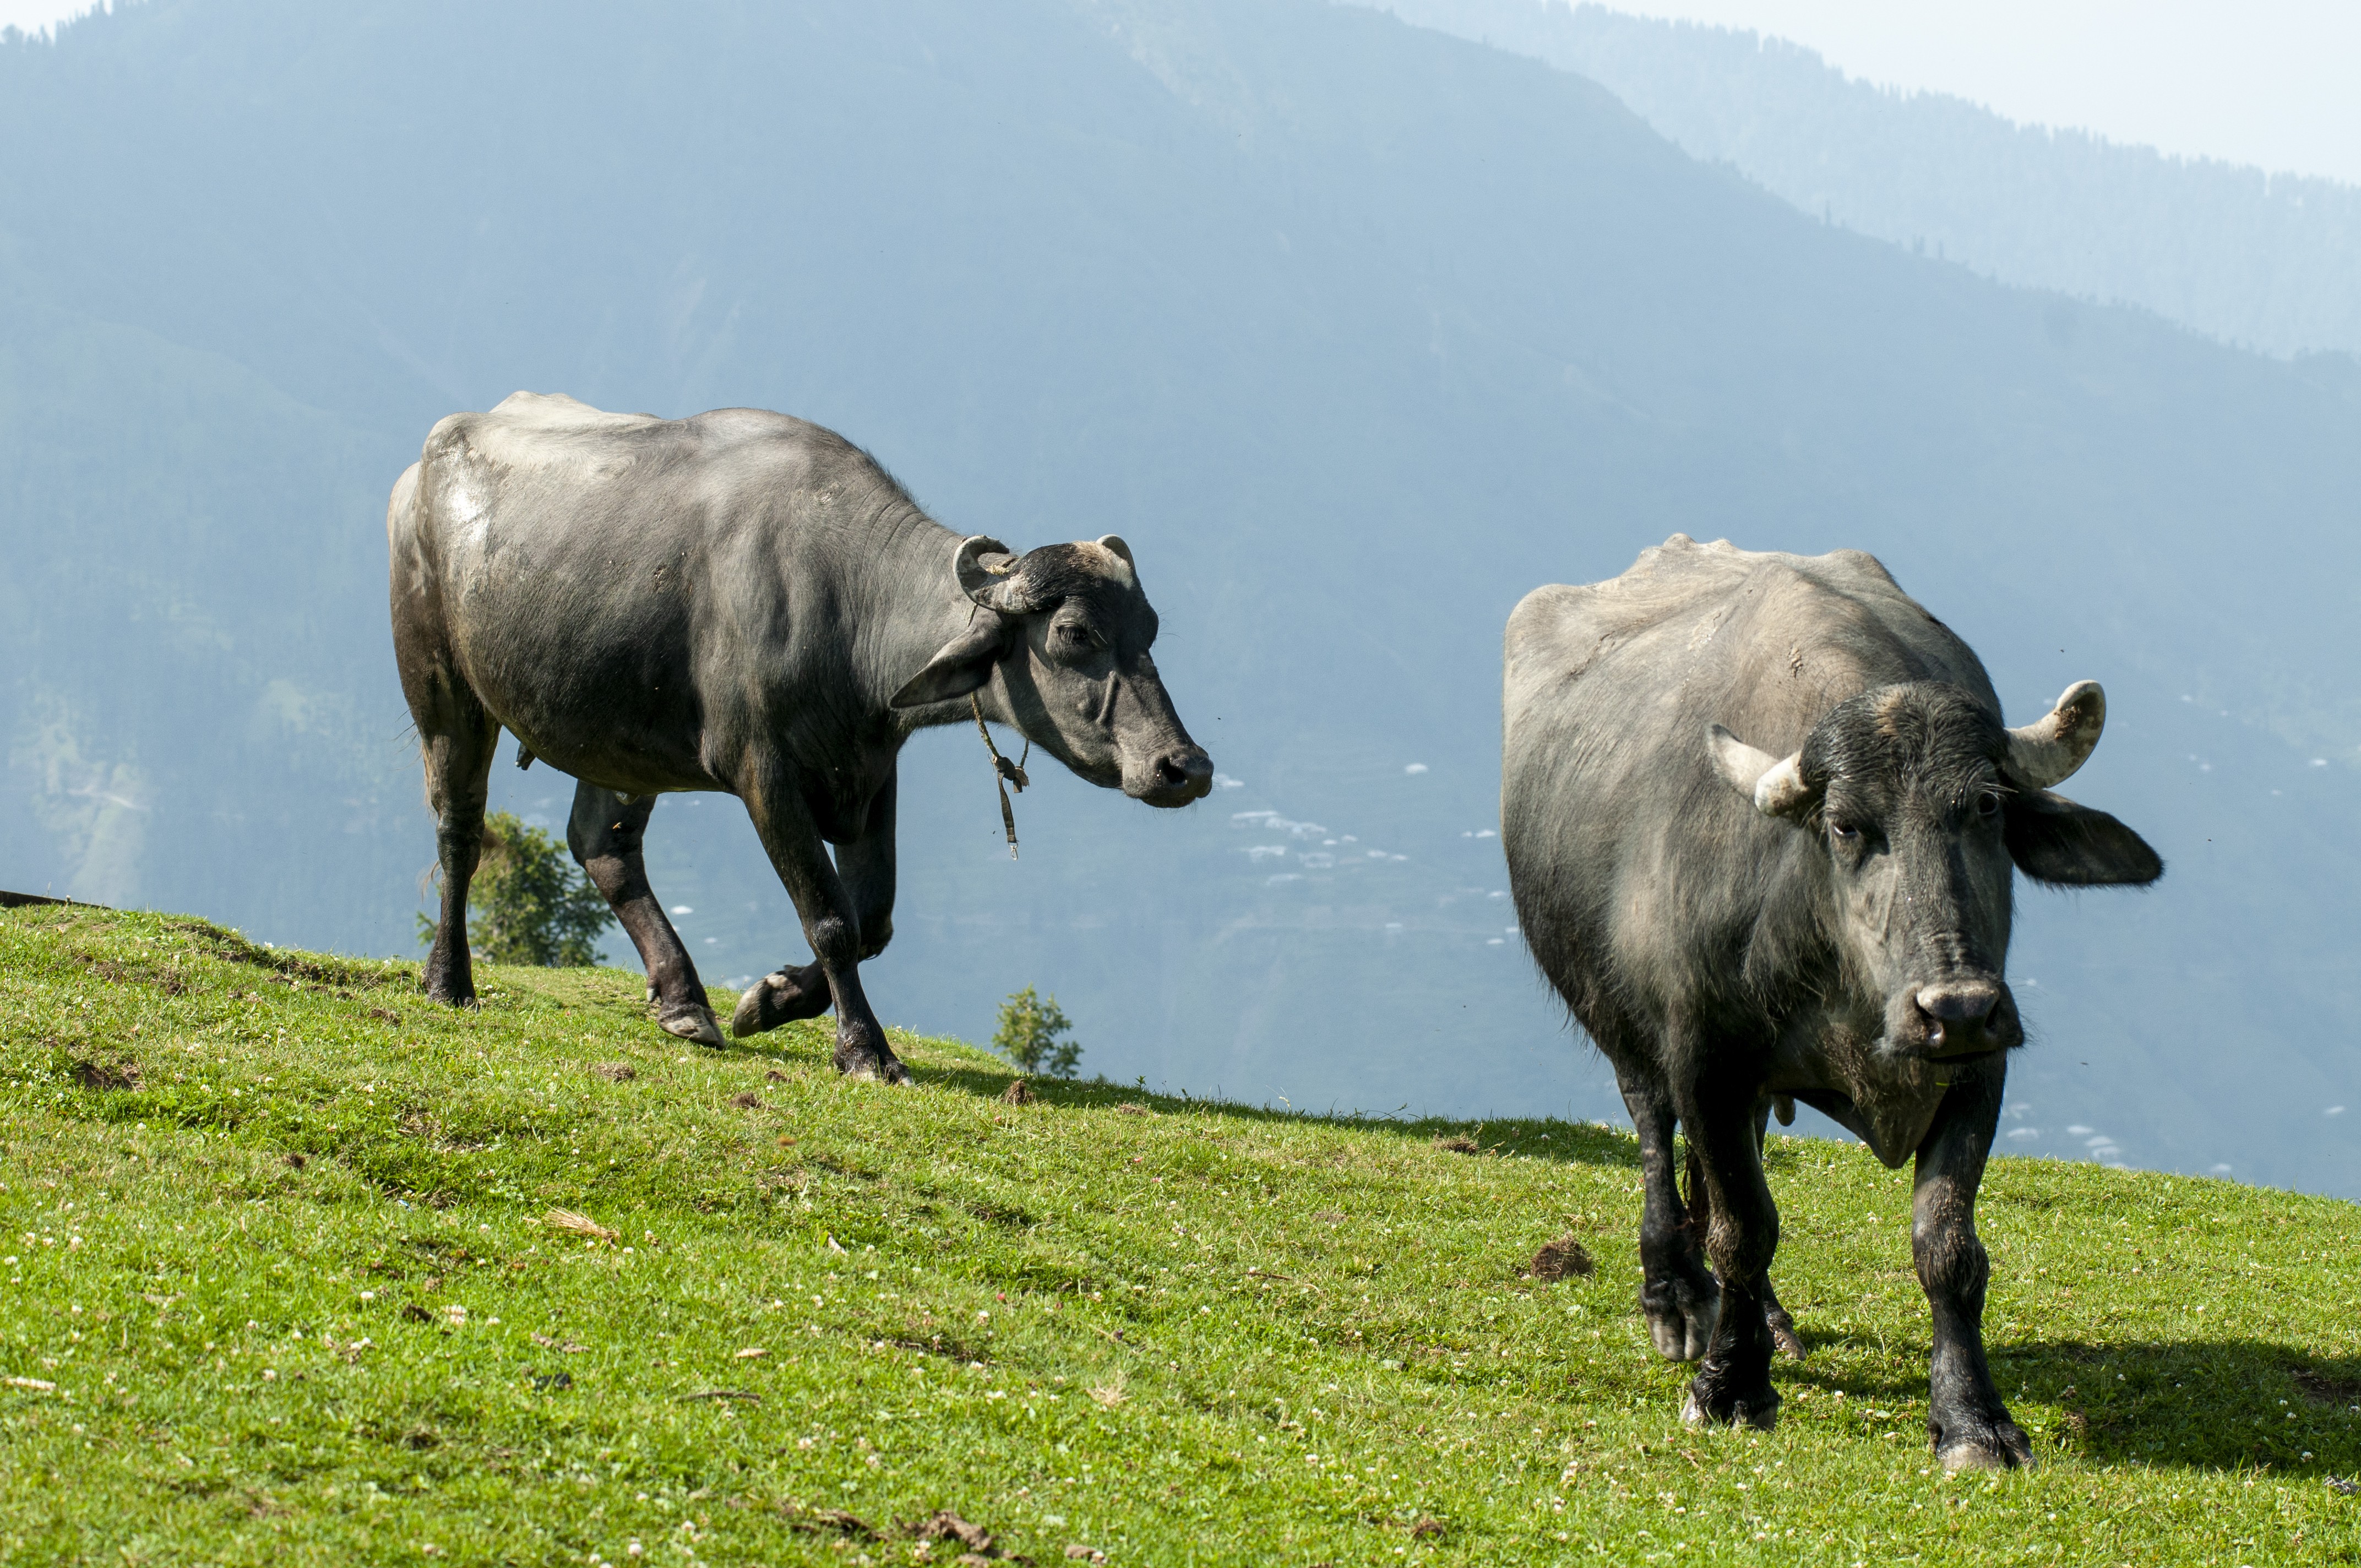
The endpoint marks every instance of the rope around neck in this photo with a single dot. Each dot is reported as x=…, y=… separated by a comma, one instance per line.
x=1004, y=773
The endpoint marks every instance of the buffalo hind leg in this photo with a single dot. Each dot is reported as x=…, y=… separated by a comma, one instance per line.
x=1970, y=1427
x=606, y=835
x=457, y=737
x=1775, y=1316
x=865, y=866
x=1678, y=1291
x=831, y=925
x=1732, y=1385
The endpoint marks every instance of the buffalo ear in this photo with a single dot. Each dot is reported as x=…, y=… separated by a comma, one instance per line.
x=960, y=666
x=2053, y=840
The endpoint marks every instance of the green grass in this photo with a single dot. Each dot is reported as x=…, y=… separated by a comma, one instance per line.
x=279, y=1290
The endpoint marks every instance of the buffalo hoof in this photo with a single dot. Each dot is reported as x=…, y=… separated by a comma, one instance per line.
x=1783, y=1331
x=780, y=997
x=1981, y=1445
x=1681, y=1312
x=1759, y=1410
x=866, y=1069
x=692, y=1022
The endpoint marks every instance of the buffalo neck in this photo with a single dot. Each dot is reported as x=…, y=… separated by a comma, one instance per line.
x=911, y=606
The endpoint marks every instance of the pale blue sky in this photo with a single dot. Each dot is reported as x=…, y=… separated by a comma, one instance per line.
x=2273, y=83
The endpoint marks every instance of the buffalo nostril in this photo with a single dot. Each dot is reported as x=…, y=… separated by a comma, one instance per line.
x=1175, y=769
x=1959, y=1003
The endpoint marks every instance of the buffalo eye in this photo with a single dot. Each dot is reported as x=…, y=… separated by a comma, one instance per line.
x=1843, y=832
x=1988, y=805
x=1074, y=635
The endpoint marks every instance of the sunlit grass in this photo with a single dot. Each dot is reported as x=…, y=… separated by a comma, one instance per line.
x=282, y=1286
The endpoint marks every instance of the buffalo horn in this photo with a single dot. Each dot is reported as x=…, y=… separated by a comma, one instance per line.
x=1113, y=544
x=1775, y=783
x=987, y=573
x=2045, y=753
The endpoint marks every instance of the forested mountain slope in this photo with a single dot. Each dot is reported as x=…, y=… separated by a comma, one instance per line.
x=2248, y=256
x=1357, y=332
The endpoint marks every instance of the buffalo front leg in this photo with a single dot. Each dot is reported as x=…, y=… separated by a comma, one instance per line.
x=865, y=867
x=1733, y=1384
x=831, y=925
x=1678, y=1292
x=606, y=835
x=1700, y=1202
x=1970, y=1427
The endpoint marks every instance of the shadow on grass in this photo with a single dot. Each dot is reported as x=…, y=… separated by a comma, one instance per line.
x=1570, y=1142
x=2214, y=1405
x=2192, y=1404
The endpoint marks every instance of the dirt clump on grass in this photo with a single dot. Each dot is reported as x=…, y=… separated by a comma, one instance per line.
x=945, y=1525
x=820, y=1521
x=1459, y=1143
x=616, y=1071
x=1564, y=1258
x=2322, y=1388
x=92, y=1073
x=1017, y=1094
x=749, y=1100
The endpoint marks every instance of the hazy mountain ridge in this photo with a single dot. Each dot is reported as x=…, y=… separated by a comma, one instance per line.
x=2246, y=256
x=1355, y=332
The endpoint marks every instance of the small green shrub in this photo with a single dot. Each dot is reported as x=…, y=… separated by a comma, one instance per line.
x=529, y=902
x=1030, y=1036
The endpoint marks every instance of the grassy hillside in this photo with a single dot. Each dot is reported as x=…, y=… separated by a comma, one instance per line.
x=282, y=1286
x=1289, y=295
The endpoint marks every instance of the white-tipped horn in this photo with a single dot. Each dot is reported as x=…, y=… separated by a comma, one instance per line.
x=2045, y=753
x=1775, y=784
x=1126, y=567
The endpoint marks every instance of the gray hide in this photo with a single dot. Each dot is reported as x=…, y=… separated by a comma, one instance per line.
x=743, y=602
x=1761, y=815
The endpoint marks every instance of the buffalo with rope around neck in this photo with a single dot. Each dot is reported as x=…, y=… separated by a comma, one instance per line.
x=741, y=602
